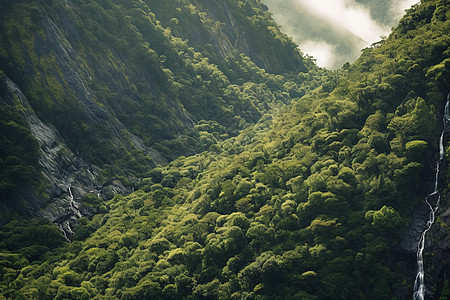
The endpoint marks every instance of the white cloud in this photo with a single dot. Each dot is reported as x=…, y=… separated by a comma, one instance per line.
x=349, y=15
x=321, y=51
x=398, y=7
x=334, y=31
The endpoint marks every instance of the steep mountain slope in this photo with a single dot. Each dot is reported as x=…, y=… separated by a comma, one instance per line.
x=309, y=203
x=110, y=81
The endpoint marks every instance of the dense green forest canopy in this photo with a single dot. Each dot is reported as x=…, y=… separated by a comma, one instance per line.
x=307, y=203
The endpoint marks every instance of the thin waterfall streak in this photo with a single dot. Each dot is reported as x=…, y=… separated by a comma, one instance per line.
x=72, y=203
x=436, y=178
x=71, y=197
x=92, y=175
x=64, y=232
x=419, y=283
x=447, y=111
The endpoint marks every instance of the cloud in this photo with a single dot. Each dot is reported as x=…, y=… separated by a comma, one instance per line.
x=335, y=31
x=398, y=7
x=349, y=15
x=321, y=51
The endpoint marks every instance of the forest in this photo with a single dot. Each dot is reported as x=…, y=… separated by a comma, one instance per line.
x=281, y=180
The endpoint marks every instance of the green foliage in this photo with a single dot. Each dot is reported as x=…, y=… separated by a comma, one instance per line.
x=19, y=151
x=415, y=150
x=305, y=204
x=385, y=220
x=31, y=239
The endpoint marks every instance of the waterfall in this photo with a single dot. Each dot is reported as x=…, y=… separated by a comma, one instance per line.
x=61, y=227
x=432, y=200
x=71, y=196
x=75, y=209
x=63, y=221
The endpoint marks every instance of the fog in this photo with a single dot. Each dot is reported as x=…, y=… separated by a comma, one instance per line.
x=335, y=31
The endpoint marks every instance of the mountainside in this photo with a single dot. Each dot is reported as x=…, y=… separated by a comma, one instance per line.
x=111, y=80
x=303, y=183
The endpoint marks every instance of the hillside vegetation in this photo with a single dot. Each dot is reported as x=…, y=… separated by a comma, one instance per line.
x=307, y=203
x=119, y=80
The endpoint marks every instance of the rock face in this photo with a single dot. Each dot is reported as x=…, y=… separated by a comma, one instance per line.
x=406, y=250
x=76, y=72
x=437, y=259
x=436, y=252
x=67, y=177
x=419, y=218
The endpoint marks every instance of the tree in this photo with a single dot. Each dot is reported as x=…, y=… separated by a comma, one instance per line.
x=386, y=221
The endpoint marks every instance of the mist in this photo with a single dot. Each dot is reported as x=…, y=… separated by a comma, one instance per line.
x=335, y=31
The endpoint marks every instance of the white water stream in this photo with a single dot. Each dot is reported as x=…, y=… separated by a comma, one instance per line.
x=64, y=225
x=71, y=196
x=61, y=227
x=433, y=200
